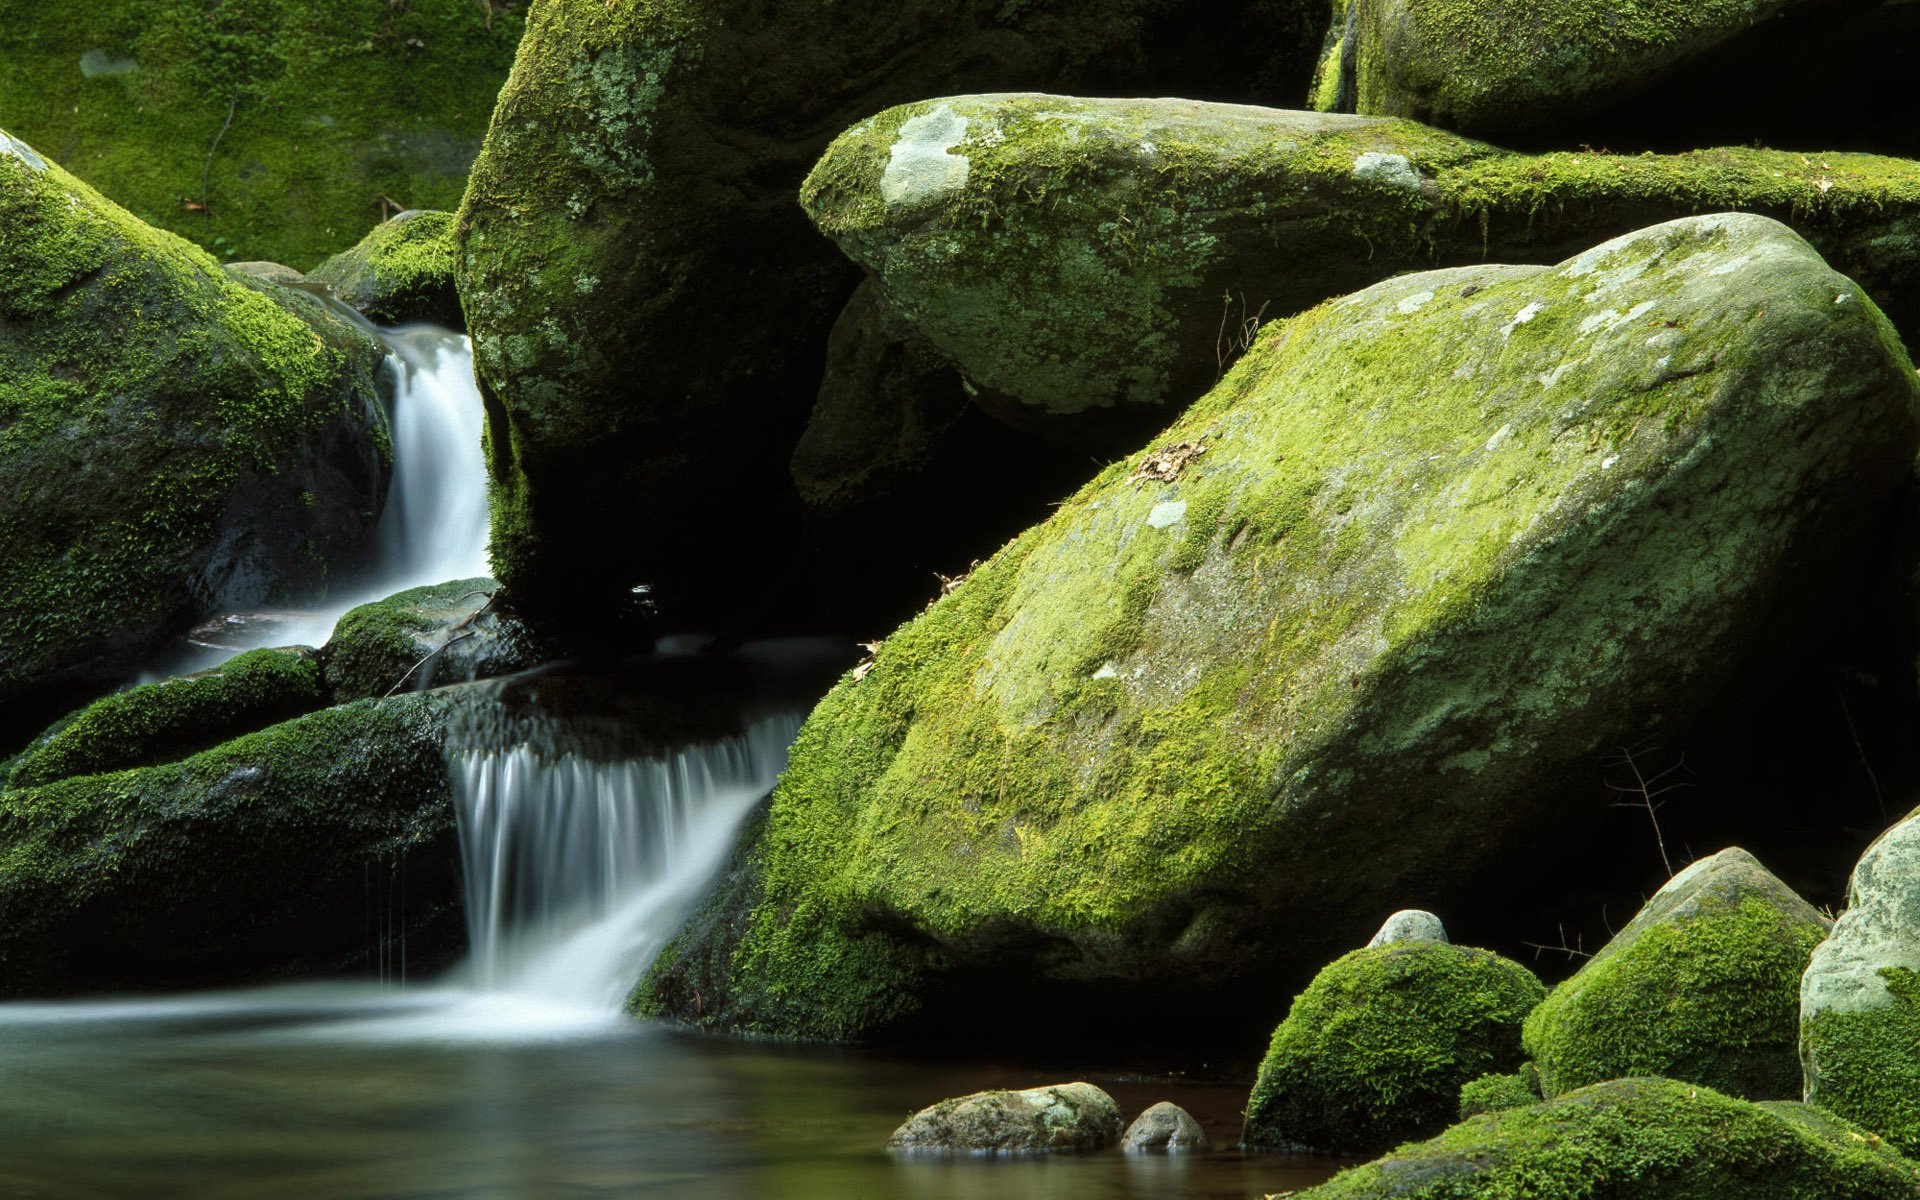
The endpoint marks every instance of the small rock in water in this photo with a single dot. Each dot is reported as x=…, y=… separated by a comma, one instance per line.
x=1061, y=1117
x=1410, y=925
x=1166, y=1128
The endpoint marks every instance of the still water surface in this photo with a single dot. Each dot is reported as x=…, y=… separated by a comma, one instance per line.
x=319, y=1092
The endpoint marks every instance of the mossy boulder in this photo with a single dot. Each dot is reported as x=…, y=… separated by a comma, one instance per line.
x=427, y=636
x=1265, y=676
x=1042, y=1120
x=1497, y=1093
x=1092, y=266
x=634, y=203
x=173, y=440
x=1377, y=1048
x=401, y=272
x=1493, y=69
x=260, y=129
x=1860, y=998
x=1703, y=985
x=1638, y=1139
x=174, y=718
x=308, y=846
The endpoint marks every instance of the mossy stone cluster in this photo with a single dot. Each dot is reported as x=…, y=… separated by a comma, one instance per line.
x=1629, y=1139
x=173, y=440
x=164, y=721
x=1089, y=265
x=399, y=273
x=1703, y=985
x=634, y=205
x=334, y=109
x=1377, y=1048
x=1173, y=718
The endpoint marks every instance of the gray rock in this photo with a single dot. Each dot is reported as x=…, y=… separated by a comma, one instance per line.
x=1164, y=1128
x=271, y=272
x=1061, y=1117
x=1410, y=925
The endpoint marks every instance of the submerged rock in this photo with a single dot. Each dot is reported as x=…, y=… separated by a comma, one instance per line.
x=1637, y=1139
x=1860, y=998
x=1377, y=1048
x=1166, y=1128
x=1265, y=676
x=634, y=205
x=171, y=719
x=427, y=636
x=178, y=441
x=1063, y=1117
x=1702, y=985
x=1094, y=265
x=401, y=272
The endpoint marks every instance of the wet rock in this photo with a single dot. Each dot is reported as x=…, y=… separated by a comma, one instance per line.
x=1632, y=1139
x=1062, y=1117
x=428, y=636
x=1166, y=1128
x=1409, y=925
x=400, y=272
x=1702, y=985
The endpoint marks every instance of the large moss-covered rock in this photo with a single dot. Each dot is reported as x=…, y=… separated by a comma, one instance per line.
x=402, y=271
x=1094, y=264
x=634, y=205
x=173, y=718
x=1702, y=985
x=1638, y=1139
x=1267, y=675
x=1860, y=998
x=1377, y=1048
x=427, y=636
x=261, y=129
x=1492, y=69
x=173, y=440
x=297, y=848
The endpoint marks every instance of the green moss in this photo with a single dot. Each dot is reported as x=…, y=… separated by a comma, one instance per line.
x=1497, y=1093
x=334, y=106
x=160, y=415
x=1378, y=1047
x=162, y=722
x=1713, y=998
x=427, y=636
x=1635, y=1138
x=402, y=271
x=1863, y=1062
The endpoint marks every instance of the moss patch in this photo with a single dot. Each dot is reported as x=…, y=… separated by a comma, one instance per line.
x=1378, y=1047
x=401, y=272
x=1862, y=1063
x=1497, y=1093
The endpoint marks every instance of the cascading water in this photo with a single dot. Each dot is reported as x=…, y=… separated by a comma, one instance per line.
x=579, y=870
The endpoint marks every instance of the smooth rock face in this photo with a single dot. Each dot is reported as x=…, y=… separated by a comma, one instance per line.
x=1063, y=1117
x=1166, y=1128
x=1409, y=925
x=1378, y=1047
x=1633, y=1139
x=1702, y=985
x=634, y=205
x=400, y=272
x=1860, y=998
x=1490, y=69
x=1194, y=753
x=1075, y=271
x=178, y=441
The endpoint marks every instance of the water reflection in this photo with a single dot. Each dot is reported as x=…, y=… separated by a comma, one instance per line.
x=286, y=1093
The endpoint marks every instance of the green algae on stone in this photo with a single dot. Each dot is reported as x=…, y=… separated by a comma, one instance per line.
x=401, y=272
x=1496, y=1093
x=1635, y=1139
x=261, y=854
x=164, y=721
x=647, y=303
x=1378, y=1047
x=1182, y=730
x=425, y=636
x=1702, y=985
x=173, y=440
x=1492, y=69
x=335, y=108
x=1092, y=264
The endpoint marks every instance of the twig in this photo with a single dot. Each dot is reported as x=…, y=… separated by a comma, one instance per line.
x=463, y=623
x=207, y=171
x=1573, y=951
x=1879, y=797
x=1647, y=790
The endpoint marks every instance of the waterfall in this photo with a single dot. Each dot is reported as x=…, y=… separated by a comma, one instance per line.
x=578, y=870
